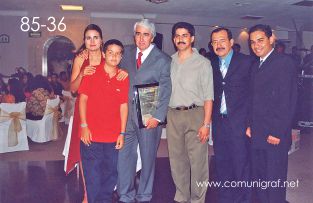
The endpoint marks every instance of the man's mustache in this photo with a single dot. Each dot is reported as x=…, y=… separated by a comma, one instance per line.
x=221, y=48
x=181, y=43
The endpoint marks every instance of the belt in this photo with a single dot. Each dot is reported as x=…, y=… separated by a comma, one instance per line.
x=223, y=115
x=183, y=108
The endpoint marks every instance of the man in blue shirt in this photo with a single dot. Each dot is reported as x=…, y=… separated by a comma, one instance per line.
x=231, y=75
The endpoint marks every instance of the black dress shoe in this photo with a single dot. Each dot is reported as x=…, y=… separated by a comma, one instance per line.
x=115, y=197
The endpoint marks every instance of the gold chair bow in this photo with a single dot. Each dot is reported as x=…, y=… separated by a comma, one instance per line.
x=15, y=126
x=68, y=106
x=56, y=131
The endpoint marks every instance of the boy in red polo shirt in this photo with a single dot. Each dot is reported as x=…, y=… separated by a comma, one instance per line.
x=103, y=113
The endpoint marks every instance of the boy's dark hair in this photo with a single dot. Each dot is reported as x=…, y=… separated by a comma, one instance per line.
x=113, y=42
x=261, y=27
x=185, y=25
x=229, y=34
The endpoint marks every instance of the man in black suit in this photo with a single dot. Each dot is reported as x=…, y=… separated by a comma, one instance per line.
x=231, y=73
x=273, y=102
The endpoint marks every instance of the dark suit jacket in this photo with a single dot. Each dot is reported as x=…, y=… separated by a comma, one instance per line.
x=155, y=68
x=236, y=87
x=273, y=102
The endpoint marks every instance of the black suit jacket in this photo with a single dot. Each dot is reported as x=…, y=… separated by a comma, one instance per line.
x=236, y=87
x=273, y=101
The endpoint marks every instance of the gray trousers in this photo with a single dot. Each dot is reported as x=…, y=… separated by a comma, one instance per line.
x=188, y=156
x=148, y=140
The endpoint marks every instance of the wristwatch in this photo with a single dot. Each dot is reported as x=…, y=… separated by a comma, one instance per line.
x=207, y=125
x=83, y=125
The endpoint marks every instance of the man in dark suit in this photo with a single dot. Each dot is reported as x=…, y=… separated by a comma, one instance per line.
x=231, y=75
x=145, y=64
x=273, y=102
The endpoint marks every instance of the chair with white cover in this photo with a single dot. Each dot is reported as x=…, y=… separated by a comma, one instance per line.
x=47, y=128
x=67, y=106
x=13, y=135
x=66, y=148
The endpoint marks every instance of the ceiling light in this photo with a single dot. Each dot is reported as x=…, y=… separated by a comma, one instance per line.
x=122, y=15
x=72, y=8
x=251, y=17
x=304, y=3
x=157, y=1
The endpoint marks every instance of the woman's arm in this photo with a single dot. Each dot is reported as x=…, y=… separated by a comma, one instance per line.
x=76, y=76
x=78, y=73
x=85, y=133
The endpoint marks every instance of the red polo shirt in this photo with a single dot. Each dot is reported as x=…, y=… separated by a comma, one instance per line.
x=105, y=95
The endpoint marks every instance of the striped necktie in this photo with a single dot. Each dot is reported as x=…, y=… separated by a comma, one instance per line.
x=223, y=69
x=261, y=62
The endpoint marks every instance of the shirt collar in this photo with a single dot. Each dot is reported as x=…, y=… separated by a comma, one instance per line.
x=194, y=54
x=263, y=59
x=145, y=52
x=227, y=58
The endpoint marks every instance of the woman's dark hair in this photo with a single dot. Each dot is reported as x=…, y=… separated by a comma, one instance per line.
x=16, y=89
x=3, y=86
x=30, y=77
x=111, y=42
x=40, y=81
x=89, y=27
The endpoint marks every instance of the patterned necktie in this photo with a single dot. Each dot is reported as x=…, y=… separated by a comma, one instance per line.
x=223, y=69
x=139, y=60
x=261, y=62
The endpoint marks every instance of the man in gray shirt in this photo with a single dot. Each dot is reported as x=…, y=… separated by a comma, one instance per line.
x=189, y=116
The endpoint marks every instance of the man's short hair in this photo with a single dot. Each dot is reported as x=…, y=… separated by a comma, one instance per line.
x=147, y=24
x=262, y=27
x=185, y=25
x=229, y=34
x=113, y=42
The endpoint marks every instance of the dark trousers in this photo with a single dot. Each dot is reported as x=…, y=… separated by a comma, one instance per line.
x=100, y=170
x=270, y=165
x=232, y=162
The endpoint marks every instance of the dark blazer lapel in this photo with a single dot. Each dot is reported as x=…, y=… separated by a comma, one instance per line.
x=216, y=69
x=232, y=66
x=269, y=59
x=133, y=58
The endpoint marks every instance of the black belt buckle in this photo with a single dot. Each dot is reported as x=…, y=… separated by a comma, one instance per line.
x=223, y=115
x=183, y=108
